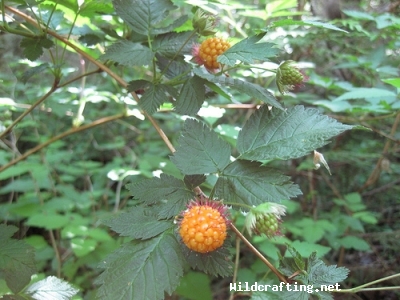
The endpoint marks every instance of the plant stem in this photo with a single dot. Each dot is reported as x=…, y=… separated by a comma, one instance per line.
x=60, y=136
x=281, y=277
x=17, y=120
x=362, y=287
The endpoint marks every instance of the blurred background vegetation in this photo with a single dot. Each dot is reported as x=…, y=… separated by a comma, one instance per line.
x=56, y=196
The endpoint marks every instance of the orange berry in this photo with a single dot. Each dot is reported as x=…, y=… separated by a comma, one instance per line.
x=203, y=226
x=210, y=49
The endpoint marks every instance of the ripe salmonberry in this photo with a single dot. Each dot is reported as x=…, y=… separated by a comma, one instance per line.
x=209, y=51
x=203, y=226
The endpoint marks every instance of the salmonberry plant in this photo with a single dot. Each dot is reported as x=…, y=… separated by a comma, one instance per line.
x=188, y=219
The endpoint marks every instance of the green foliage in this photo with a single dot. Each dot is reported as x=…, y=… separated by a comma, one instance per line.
x=94, y=179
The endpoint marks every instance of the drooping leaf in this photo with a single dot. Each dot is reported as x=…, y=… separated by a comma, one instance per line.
x=252, y=184
x=247, y=51
x=143, y=16
x=142, y=269
x=128, y=53
x=138, y=223
x=216, y=263
x=51, y=288
x=289, y=22
x=363, y=93
x=33, y=48
x=168, y=188
x=191, y=96
x=33, y=71
x=17, y=259
x=172, y=44
x=200, y=150
x=295, y=132
x=251, y=89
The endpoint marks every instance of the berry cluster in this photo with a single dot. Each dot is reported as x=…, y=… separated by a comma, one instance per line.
x=267, y=224
x=210, y=49
x=203, y=226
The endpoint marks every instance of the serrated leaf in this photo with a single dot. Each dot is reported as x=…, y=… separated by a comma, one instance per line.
x=17, y=259
x=33, y=48
x=252, y=184
x=295, y=132
x=51, y=288
x=245, y=87
x=191, y=96
x=192, y=181
x=289, y=22
x=33, y=71
x=175, y=68
x=138, y=223
x=164, y=188
x=216, y=263
x=171, y=44
x=363, y=93
x=128, y=53
x=142, y=270
x=319, y=273
x=143, y=16
x=247, y=51
x=153, y=97
x=200, y=150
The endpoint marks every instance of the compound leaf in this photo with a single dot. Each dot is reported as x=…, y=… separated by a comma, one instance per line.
x=153, y=97
x=321, y=274
x=191, y=97
x=138, y=223
x=142, y=269
x=51, y=288
x=128, y=53
x=276, y=134
x=251, y=89
x=247, y=51
x=200, y=150
x=17, y=259
x=33, y=48
x=250, y=183
x=168, y=188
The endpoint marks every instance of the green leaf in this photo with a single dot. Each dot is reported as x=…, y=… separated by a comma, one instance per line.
x=276, y=134
x=153, y=97
x=252, y=184
x=216, y=263
x=128, y=53
x=195, y=286
x=142, y=270
x=354, y=242
x=191, y=96
x=358, y=14
x=51, y=288
x=33, y=48
x=200, y=150
x=172, y=43
x=138, y=223
x=247, y=51
x=49, y=220
x=289, y=22
x=364, y=93
x=392, y=81
x=319, y=273
x=33, y=71
x=166, y=187
x=175, y=68
x=83, y=246
x=17, y=259
x=143, y=16
x=251, y=89
x=192, y=181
